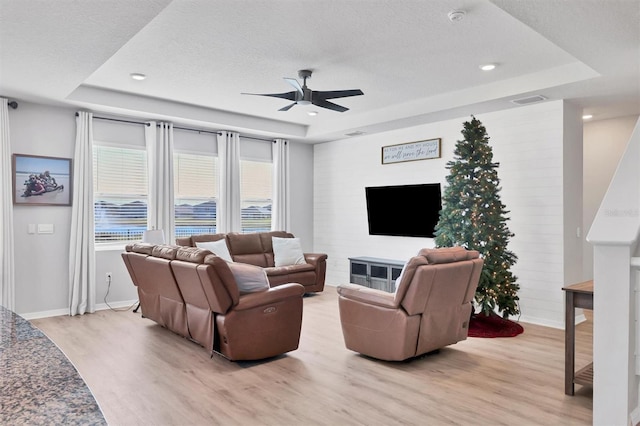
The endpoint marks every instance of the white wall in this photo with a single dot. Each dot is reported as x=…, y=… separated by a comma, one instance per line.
x=604, y=144
x=529, y=144
x=328, y=205
x=301, y=169
x=42, y=261
x=572, y=175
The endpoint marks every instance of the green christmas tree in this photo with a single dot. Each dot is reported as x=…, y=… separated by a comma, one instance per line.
x=474, y=217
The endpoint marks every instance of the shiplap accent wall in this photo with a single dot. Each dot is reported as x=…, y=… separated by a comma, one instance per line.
x=529, y=144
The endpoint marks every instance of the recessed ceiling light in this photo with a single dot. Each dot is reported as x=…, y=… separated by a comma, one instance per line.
x=313, y=113
x=138, y=76
x=487, y=67
x=587, y=117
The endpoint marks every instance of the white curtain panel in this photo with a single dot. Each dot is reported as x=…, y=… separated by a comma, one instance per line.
x=7, y=260
x=229, y=209
x=82, y=260
x=160, y=205
x=280, y=210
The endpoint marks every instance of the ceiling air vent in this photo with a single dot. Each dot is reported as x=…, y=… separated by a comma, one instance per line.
x=356, y=133
x=529, y=100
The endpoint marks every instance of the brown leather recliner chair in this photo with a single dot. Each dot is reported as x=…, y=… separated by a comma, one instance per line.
x=430, y=309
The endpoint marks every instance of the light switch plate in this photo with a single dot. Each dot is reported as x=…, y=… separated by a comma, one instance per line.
x=31, y=229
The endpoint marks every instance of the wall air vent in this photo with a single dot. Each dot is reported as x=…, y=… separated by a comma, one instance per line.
x=529, y=100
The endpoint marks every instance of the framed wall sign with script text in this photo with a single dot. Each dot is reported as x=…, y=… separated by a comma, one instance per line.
x=421, y=150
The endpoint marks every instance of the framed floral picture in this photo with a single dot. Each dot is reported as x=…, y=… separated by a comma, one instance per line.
x=42, y=181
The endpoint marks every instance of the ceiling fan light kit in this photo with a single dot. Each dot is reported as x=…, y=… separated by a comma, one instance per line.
x=302, y=95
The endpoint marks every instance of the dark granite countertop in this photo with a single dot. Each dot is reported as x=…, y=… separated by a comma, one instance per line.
x=38, y=384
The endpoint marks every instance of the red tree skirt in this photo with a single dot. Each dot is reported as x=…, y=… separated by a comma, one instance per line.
x=493, y=325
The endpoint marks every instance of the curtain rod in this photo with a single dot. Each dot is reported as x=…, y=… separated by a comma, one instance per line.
x=119, y=120
x=218, y=132
x=214, y=132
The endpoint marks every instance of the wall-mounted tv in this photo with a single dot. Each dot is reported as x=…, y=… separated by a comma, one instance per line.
x=403, y=210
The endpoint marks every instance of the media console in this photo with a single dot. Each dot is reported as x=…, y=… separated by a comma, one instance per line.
x=375, y=272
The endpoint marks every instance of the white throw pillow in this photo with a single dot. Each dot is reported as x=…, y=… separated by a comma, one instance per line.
x=399, y=279
x=249, y=278
x=287, y=251
x=219, y=248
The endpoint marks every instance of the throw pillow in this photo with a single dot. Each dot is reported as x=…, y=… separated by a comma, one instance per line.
x=249, y=278
x=399, y=279
x=404, y=268
x=287, y=251
x=219, y=248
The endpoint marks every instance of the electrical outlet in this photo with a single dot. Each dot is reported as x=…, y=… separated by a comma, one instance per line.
x=108, y=276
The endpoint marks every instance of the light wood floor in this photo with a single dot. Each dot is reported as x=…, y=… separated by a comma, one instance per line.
x=142, y=374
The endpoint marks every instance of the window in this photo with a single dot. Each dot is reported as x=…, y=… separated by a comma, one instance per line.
x=256, y=193
x=120, y=193
x=196, y=192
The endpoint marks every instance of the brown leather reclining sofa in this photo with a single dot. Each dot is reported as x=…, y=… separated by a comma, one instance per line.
x=194, y=293
x=257, y=249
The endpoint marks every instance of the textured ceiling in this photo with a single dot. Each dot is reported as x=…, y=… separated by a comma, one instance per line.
x=413, y=64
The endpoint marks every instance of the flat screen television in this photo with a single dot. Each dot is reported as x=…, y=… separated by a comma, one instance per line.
x=404, y=210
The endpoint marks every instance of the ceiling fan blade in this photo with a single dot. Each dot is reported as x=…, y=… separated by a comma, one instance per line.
x=288, y=107
x=296, y=85
x=329, y=105
x=288, y=95
x=333, y=94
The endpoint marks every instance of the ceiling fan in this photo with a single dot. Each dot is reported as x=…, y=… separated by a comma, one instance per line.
x=305, y=96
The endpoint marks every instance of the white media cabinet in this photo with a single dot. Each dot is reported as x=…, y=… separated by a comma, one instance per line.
x=375, y=272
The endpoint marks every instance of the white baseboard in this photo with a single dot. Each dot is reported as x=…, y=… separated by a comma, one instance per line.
x=117, y=305
x=547, y=323
x=45, y=314
x=59, y=312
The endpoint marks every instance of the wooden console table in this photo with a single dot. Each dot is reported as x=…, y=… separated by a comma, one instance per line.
x=577, y=296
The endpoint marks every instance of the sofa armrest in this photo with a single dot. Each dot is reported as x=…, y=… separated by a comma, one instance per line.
x=274, y=294
x=319, y=263
x=369, y=296
x=315, y=258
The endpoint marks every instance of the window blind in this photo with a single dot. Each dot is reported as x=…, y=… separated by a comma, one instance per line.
x=120, y=193
x=256, y=192
x=196, y=193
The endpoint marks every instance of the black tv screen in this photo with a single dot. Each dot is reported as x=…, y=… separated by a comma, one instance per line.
x=403, y=210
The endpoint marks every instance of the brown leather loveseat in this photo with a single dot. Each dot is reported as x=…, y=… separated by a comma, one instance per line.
x=429, y=310
x=257, y=249
x=197, y=295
